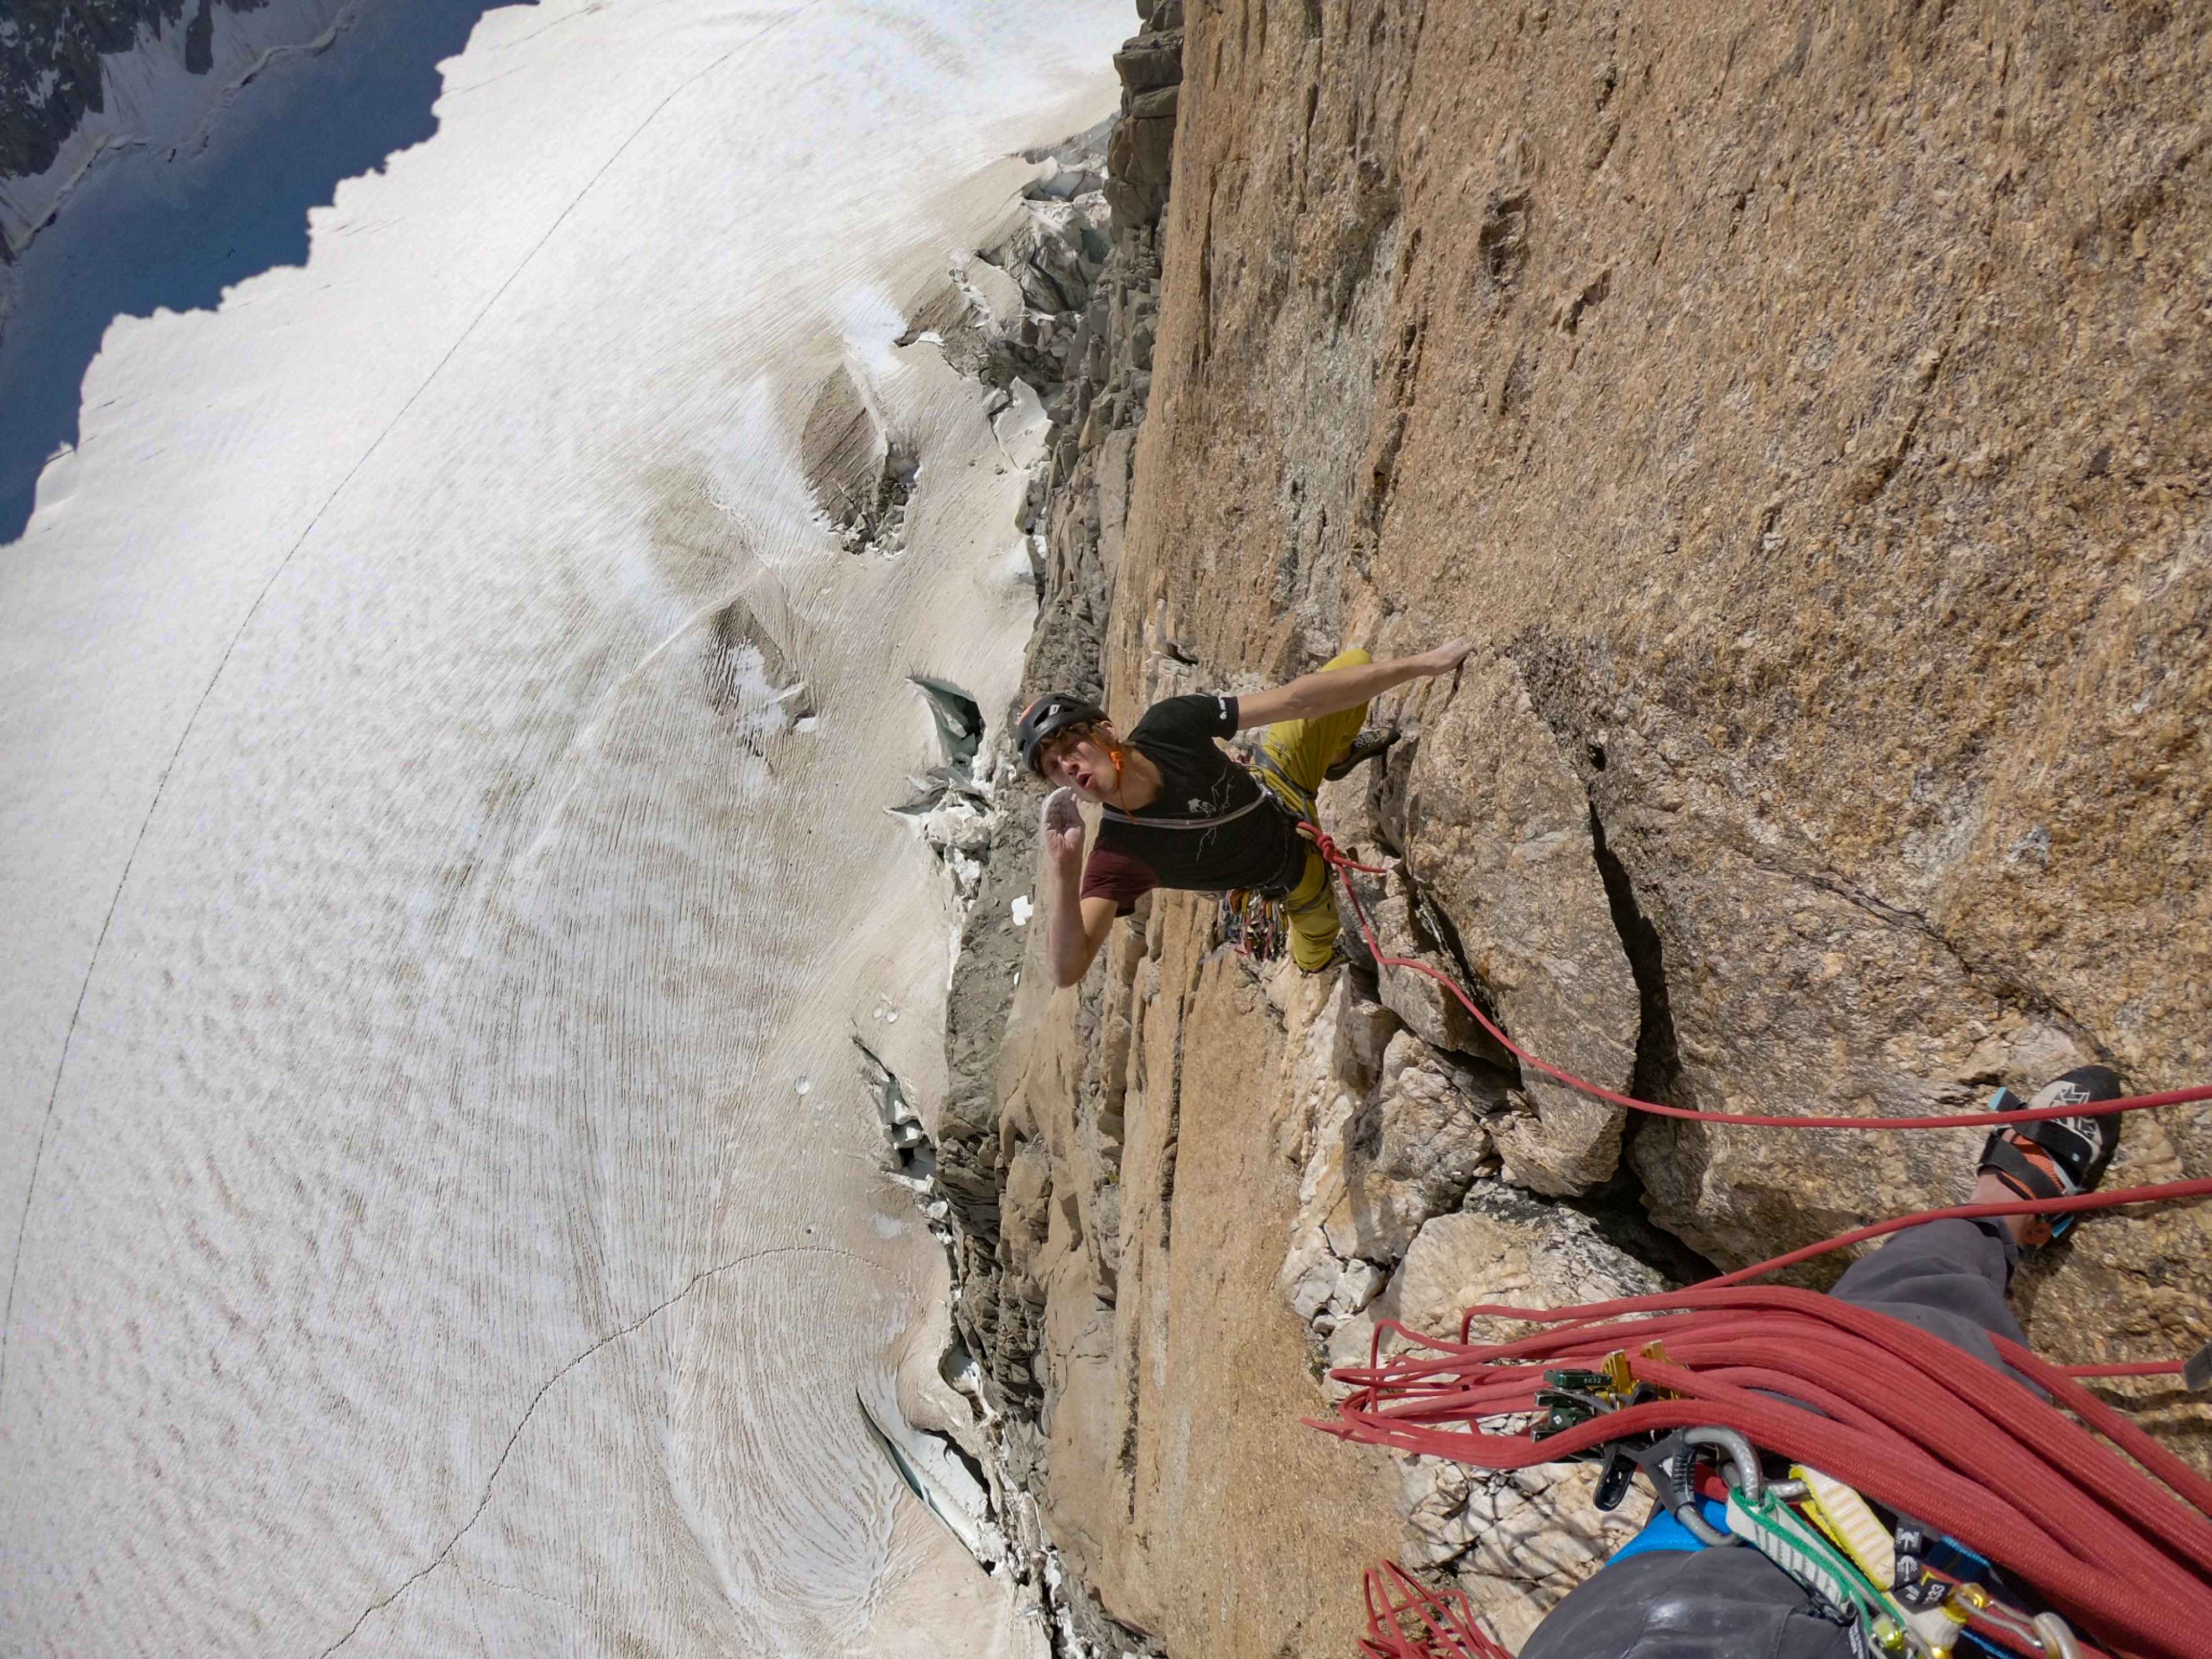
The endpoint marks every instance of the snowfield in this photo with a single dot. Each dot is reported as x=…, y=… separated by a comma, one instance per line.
x=443, y=828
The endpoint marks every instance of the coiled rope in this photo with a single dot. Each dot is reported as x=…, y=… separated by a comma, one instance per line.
x=2122, y=1546
x=1406, y=1619
x=2125, y=1550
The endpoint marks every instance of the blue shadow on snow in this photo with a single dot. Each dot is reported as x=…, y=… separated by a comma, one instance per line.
x=282, y=149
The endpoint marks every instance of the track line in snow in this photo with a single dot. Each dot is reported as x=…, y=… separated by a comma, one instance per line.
x=161, y=784
x=491, y=1481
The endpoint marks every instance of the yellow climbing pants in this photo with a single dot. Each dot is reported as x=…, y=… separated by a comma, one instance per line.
x=1292, y=759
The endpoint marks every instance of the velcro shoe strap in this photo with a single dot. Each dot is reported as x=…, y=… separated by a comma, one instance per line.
x=2021, y=1173
x=2074, y=1151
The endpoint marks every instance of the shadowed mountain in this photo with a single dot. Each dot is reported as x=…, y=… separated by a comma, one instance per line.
x=50, y=72
x=280, y=150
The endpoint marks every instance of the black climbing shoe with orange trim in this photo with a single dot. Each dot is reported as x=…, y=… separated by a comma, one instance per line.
x=1364, y=748
x=2054, y=1156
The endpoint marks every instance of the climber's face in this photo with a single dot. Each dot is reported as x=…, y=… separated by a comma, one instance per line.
x=1083, y=759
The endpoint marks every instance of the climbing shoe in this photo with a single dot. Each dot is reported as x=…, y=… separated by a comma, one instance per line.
x=1364, y=748
x=2054, y=1156
x=1341, y=954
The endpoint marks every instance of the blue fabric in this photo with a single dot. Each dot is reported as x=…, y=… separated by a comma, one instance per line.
x=1661, y=1596
x=1664, y=1532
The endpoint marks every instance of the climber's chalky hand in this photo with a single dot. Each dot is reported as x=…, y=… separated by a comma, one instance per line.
x=1060, y=827
x=1448, y=656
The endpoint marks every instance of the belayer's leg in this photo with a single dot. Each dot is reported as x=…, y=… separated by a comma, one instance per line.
x=1303, y=750
x=1950, y=1277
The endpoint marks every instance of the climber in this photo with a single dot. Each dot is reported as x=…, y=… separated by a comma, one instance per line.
x=1666, y=1595
x=1178, y=812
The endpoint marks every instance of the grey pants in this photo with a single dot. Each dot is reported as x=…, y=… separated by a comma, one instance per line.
x=1949, y=1277
x=1946, y=1277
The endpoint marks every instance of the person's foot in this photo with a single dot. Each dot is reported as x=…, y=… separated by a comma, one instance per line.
x=2050, y=1157
x=1364, y=748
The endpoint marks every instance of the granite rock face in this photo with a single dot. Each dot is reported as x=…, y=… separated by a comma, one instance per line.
x=1809, y=416
x=50, y=71
x=1503, y=832
x=1117, y=1218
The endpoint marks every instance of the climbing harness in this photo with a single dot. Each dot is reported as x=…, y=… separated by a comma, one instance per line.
x=1299, y=802
x=1257, y=923
x=1213, y=823
x=2106, y=1526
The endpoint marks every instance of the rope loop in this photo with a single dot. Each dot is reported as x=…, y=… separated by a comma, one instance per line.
x=1331, y=854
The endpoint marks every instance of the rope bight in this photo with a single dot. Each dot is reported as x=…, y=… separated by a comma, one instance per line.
x=2016, y=1515
x=1406, y=1619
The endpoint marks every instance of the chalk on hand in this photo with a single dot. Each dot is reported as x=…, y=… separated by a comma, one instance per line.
x=1060, y=812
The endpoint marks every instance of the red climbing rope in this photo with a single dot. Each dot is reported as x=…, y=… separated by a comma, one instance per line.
x=1406, y=1619
x=2158, y=1193
x=2123, y=1550
x=1338, y=861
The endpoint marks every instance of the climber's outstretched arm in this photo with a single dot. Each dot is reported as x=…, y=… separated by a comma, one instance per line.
x=1311, y=695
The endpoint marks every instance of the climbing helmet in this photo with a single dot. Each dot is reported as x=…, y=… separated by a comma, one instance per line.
x=1053, y=713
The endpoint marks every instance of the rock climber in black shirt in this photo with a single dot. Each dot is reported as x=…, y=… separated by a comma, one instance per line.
x=1179, y=813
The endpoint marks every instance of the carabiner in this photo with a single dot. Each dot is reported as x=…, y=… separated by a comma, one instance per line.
x=2056, y=1636
x=1750, y=1479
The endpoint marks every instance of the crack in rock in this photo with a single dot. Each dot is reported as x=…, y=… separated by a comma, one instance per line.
x=2007, y=985
x=476, y=1623
x=515, y=1435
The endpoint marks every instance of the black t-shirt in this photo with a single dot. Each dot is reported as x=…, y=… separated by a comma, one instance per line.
x=1211, y=829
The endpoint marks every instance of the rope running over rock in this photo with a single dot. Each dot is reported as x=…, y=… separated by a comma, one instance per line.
x=2124, y=1546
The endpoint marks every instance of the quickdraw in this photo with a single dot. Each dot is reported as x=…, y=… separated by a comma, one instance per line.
x=1253, y=922
x=1904, y=1592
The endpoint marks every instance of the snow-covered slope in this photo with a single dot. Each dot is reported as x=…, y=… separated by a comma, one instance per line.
x=449, y=1215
